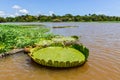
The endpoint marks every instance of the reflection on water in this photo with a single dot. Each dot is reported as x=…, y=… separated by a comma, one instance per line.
x=103, y=40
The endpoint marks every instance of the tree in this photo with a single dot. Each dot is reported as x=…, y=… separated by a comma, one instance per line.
x=2, y=19
x=57, y=18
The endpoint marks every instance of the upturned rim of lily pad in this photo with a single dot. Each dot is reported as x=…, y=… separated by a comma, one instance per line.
x=58, y=57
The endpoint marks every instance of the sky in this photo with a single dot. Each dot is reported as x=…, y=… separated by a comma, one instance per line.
x=14, y=8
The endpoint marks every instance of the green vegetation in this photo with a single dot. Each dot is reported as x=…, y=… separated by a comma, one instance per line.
x=44, y=48
x=58, y=18
x=59, y=52
x=58, y=57
x=14, y=36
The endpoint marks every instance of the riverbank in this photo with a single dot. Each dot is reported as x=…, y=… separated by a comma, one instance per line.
x=16, y=36
x=14, y=51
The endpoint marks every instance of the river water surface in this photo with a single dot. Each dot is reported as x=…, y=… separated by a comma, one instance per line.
x=103, y=41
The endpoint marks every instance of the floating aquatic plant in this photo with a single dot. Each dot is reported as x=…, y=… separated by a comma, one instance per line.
x=58, y=57
x=59, y=52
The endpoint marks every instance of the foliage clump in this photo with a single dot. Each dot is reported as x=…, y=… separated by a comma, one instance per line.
x=14, y=36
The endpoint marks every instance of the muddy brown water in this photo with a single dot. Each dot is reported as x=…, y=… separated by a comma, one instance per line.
x=103, y=40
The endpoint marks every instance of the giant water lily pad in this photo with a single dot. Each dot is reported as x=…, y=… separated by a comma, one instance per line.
x=58, y=57
x=56, y=40
x=59, y=52
x=64, y=39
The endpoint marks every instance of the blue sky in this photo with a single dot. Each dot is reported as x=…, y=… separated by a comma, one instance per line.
x=59, y=7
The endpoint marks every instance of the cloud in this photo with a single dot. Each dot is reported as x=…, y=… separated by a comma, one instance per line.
x=16, y=7
x=50, y=13
x=23, y=11
x=17, y=14
x=11, y=15
x=2, y=13
x=102, y=12
x=19, y=10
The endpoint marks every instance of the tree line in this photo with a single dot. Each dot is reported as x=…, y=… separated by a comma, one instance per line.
x=58, y=18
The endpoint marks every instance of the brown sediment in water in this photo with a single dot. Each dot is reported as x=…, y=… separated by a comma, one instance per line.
x=103, y=41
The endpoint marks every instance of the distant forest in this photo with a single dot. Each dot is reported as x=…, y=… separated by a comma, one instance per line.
x=58, y=18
